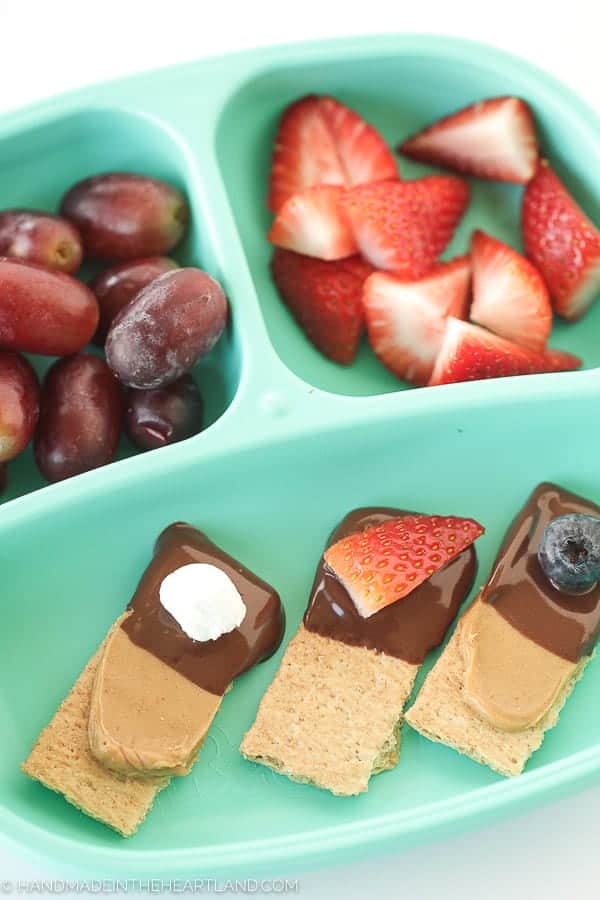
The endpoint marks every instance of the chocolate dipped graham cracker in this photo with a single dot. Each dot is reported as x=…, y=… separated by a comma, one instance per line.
x=141, y=709
x=516, y=653
x=332, y=715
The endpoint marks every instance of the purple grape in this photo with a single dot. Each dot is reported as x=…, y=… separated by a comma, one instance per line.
x=41, y=238
x=164, y=415
x=166, y=329
x=42, y=311
x=125, y=216
x=19, y=404
x=81, y=417
x=116, y=287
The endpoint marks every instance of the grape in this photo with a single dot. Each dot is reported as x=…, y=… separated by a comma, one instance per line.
x=164, y=415
x=81, y=416
x=115, y=287
x=125, y=216
x=42, y=311
x=40, y=238
x=166, y=329
x=19, y=404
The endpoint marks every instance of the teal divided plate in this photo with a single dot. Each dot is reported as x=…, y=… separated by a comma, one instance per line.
x=294, y=443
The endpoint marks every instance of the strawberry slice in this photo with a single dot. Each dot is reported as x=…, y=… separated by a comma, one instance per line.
x=325, y=299
x=322, y=141
x=406, y=319
x=406, y=332
x=403, y=226
x=509, y=294
x=493, y=138
x=446, y=286
x=561, y=361
x=304, y=154
x=562, y=243
x=385, y=563
x=314, y=223
x=470, y=353
x=363, y=153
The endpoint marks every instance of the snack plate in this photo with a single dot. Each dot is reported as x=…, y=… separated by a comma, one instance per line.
x=295, y=442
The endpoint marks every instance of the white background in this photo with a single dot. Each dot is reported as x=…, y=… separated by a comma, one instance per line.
x=49, y=46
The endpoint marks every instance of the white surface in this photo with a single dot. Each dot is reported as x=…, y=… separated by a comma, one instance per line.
x=203, y=600
x=49, y=47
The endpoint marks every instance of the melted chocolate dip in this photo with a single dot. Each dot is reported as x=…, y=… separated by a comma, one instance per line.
x=408, y=629
x=210, y=664
x=565, y=624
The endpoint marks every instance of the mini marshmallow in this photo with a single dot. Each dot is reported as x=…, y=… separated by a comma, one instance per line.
x=203, y=600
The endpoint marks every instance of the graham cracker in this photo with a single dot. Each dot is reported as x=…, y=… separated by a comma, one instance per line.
x=441, y=714
x=331, y=717
x=61, y=760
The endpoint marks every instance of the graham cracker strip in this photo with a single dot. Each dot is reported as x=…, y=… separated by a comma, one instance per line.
x=61, y=760
x=441, y=714
x=331, y=717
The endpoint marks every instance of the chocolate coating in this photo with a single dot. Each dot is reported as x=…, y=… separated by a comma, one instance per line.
x=562, y=623
x=408, y=629
x=210, y=664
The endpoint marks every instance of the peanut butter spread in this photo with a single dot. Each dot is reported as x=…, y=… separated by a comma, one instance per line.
x=157, y=690
x=145, y=718
x=523, y=639
x=509, y=679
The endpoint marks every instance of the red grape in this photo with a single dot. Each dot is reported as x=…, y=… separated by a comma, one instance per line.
x=81, y=417
x=115, y=287
x=164, y=415
x=41, y=238
x=19, y=404
x=124, y=216
x=166, y=329
x=42, y=311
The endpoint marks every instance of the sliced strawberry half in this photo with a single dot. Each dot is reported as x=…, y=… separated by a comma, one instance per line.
x=493, y=138
x=385, y=563
x=560, y=360
x=470, y=353
x=304, y=154
x=325, y=299
x=322, y=141
x=448, y=286
x=562, y=242
x=314, y=223
x=406, y=319
x=364, y=155
x=509, y=294
x=403, y=226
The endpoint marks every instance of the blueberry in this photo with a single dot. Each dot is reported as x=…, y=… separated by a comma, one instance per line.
x=569, y=553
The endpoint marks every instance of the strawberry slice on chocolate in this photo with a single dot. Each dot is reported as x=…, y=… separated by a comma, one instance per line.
x=493, y=138
x=386, y=562
x=323, y=141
